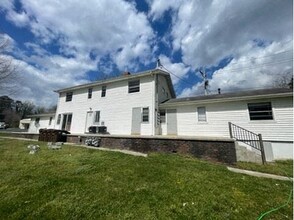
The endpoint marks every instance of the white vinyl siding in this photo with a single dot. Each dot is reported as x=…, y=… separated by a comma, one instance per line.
x=237, y=112
x=116, y=108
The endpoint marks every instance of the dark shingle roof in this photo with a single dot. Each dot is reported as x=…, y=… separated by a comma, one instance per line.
x=251, y=93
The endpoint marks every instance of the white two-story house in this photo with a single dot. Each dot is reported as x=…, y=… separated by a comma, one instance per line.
x=125, y=105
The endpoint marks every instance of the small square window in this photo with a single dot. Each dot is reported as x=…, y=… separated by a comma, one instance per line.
x=134, y=86
x=103, y=91
x=68, y=96
x=90, y=90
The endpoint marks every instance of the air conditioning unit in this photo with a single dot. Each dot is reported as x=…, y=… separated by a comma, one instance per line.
x=97, y=129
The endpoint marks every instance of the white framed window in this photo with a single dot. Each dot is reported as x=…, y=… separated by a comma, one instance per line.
x=90, y=90
x=201, y=114
x=134, y=86
x=103, y=91
x=145, y=114
x=162, y=114
x=58, y=119
x=50, y=120
x=97, y=117
x=260, y=111
x=68, y=97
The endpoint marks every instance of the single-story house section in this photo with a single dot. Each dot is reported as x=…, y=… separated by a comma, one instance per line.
x=39, y=121
x=268, y=112
x=24, y=123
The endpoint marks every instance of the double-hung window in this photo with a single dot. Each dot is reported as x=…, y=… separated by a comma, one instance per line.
x=145, y=114
x=68, y=97
x=260, y=111
x=201, y=114
x=134, y=86
x=103, y=91
x=90, y=90
x=97, y=117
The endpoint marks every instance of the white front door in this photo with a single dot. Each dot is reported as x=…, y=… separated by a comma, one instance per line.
x=171, y=121
x=89, y=120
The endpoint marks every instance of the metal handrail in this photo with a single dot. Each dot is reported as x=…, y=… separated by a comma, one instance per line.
x=247, y=137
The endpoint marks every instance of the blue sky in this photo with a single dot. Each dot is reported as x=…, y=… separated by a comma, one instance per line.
x=245, y=44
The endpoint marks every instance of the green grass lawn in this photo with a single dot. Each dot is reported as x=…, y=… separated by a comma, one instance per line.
x=79, y=183
x=282, y=167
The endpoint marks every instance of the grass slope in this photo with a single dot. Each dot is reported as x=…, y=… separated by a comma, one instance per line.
x=79, y=183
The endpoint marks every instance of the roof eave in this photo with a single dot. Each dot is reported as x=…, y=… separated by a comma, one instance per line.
x=232, y=99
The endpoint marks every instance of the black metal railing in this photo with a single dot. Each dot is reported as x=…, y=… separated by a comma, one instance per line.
x=247, y=137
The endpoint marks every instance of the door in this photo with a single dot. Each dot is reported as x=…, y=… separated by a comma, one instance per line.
x=66, y=122
x=136, y=121
x=171, y=121
x=89, y=120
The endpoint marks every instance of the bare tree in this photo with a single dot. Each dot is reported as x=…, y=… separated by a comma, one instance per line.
x=284, y=80
x=8, y=69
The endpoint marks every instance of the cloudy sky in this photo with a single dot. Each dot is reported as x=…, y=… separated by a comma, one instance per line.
x=244, y=44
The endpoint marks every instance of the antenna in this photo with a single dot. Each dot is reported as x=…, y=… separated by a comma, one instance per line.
x=158, y=64
x=205, y=80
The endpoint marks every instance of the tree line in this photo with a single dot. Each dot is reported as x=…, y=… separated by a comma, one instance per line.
x=12, y=111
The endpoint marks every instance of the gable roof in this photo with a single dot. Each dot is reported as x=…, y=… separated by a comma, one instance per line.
x=236, y=96
x=124, y=78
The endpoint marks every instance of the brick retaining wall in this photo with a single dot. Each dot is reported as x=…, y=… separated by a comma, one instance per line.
x=217, y=150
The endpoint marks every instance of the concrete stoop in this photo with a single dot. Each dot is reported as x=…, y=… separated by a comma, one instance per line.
x=246, y=155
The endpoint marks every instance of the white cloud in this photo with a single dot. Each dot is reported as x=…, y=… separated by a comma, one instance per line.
x=257, y=68
x=208, y=31
x=178, y=70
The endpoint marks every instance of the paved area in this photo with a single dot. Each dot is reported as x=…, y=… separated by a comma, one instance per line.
x=258, y=174
x=133, y=153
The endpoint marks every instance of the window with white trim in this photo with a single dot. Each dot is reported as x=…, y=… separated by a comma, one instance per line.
x=201, y=114
x=134, y=86
x=58, y=119
x=162, y=116
x=97, y=116
x=90, y=90
x=145, y=114
x=68, y=97
x=103, y=91
x=260, y=111
x=50, y=120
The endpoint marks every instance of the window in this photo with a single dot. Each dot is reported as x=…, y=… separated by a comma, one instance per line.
x=260, y=111
x=162, y=116
x=134, y=86
x=58, y=119
x=90, y=90
x=201, y=113
x=66, y=122
x=145, y=115
x=68, y=96
x=103, y=92
x=37, y=120
x=50, y=120
x=97, y=116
